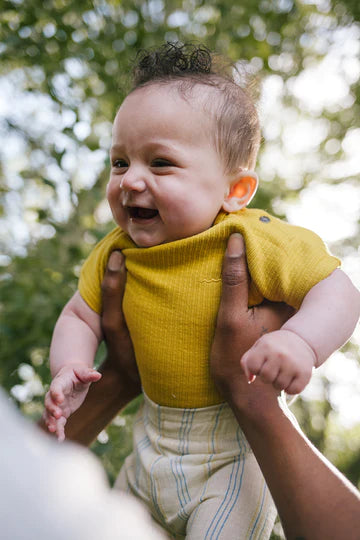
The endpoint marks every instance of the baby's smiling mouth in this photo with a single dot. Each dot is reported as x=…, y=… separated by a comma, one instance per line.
x=138, y=212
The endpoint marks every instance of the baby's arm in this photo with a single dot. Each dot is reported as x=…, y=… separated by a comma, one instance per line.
x=324, y=322
x=75, y=340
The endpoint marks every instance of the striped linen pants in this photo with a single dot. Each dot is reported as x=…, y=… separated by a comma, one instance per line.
x=194, y=470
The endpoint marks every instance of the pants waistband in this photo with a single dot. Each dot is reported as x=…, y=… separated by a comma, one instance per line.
x=206, y=429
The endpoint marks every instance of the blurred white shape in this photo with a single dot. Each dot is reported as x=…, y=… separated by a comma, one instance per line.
x=19, y=392
x=81, y=130
x=271, y=93
x=351, y=142
x=130, y=19
x=340, y=368
x=315, y=389
x=76, y=68
x=103, y=437
x=84, y=166
x=55, y=491
x=102, y=212
x=351, y=265
x=332, y=211
x=178, y=18
x=325, y=84
x=343, y=374
x=344, y=392
x=26, y=372
x=312, y=86
x=304, y=135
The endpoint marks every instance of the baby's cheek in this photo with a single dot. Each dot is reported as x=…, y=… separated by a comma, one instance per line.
x=112, y=191
x=118, y=215
x=113, y=197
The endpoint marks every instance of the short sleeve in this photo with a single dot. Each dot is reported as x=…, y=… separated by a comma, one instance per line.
x=93, y=269
x=285, y=261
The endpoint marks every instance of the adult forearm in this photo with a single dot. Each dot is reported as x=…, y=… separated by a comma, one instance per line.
x=104, y=400
x=313, y=499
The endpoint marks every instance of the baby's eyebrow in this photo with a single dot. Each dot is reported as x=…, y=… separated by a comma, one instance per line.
x=169, y=148
x=115, y=148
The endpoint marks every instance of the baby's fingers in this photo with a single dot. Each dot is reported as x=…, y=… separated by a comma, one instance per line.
x=283, y=380
x=51, y=424
x=269, y=371
x=60, y=428
x=51, y=408
x=49, y=421
x=56, y=391
x=297, y=384
x=252, y=363
x=263, y=365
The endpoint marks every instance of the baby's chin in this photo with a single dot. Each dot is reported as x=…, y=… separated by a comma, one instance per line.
x=149, y=244
x=144, y=243
x=141, y=241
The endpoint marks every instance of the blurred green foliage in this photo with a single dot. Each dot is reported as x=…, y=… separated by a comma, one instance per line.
x=77, y=56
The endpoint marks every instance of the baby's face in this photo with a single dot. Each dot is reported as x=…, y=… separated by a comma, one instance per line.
x=167, y=181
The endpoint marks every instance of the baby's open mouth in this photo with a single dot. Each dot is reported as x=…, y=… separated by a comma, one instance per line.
x=142, y=213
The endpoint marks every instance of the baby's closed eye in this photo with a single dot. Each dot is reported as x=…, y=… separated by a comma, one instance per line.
x=160, y=162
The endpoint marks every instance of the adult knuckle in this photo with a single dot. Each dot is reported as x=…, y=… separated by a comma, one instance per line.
x=229, y=322
x=225, y=324
x=109, y=325
x=108, y=286
x=233, y=276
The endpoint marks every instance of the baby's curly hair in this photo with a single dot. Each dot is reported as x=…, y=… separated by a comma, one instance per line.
x=237, y=129
x=171, y=60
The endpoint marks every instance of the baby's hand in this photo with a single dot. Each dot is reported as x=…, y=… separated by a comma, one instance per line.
x=282, y=358
x=67, y=392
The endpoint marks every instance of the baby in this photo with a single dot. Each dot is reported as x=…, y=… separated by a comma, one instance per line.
x=185, y=141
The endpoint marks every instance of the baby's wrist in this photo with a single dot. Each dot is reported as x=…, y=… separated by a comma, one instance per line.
x=311, y=351
x=69, y=366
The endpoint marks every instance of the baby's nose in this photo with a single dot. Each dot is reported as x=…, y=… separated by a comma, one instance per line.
x=133, y=181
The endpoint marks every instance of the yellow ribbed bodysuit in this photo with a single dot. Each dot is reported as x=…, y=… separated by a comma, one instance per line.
x=173, y=291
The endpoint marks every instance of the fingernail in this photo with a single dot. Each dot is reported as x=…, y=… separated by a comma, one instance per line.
x=235, y=245
x=115, y=261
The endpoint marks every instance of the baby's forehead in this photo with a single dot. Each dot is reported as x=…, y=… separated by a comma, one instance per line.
x=198, y=95
x=159, y=110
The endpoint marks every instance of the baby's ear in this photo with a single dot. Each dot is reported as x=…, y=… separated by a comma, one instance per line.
x=242, y=190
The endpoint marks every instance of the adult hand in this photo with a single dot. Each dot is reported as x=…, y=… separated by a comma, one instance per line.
x=120, y=382
x=118, y=342
x=313, y=498
x=238, y=328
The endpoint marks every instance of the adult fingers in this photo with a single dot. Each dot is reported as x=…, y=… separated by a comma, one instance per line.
x=112, y=287
x=116, y=334
x=235, y=284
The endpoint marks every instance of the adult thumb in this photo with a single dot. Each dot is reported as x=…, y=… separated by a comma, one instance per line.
x=235, y=276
